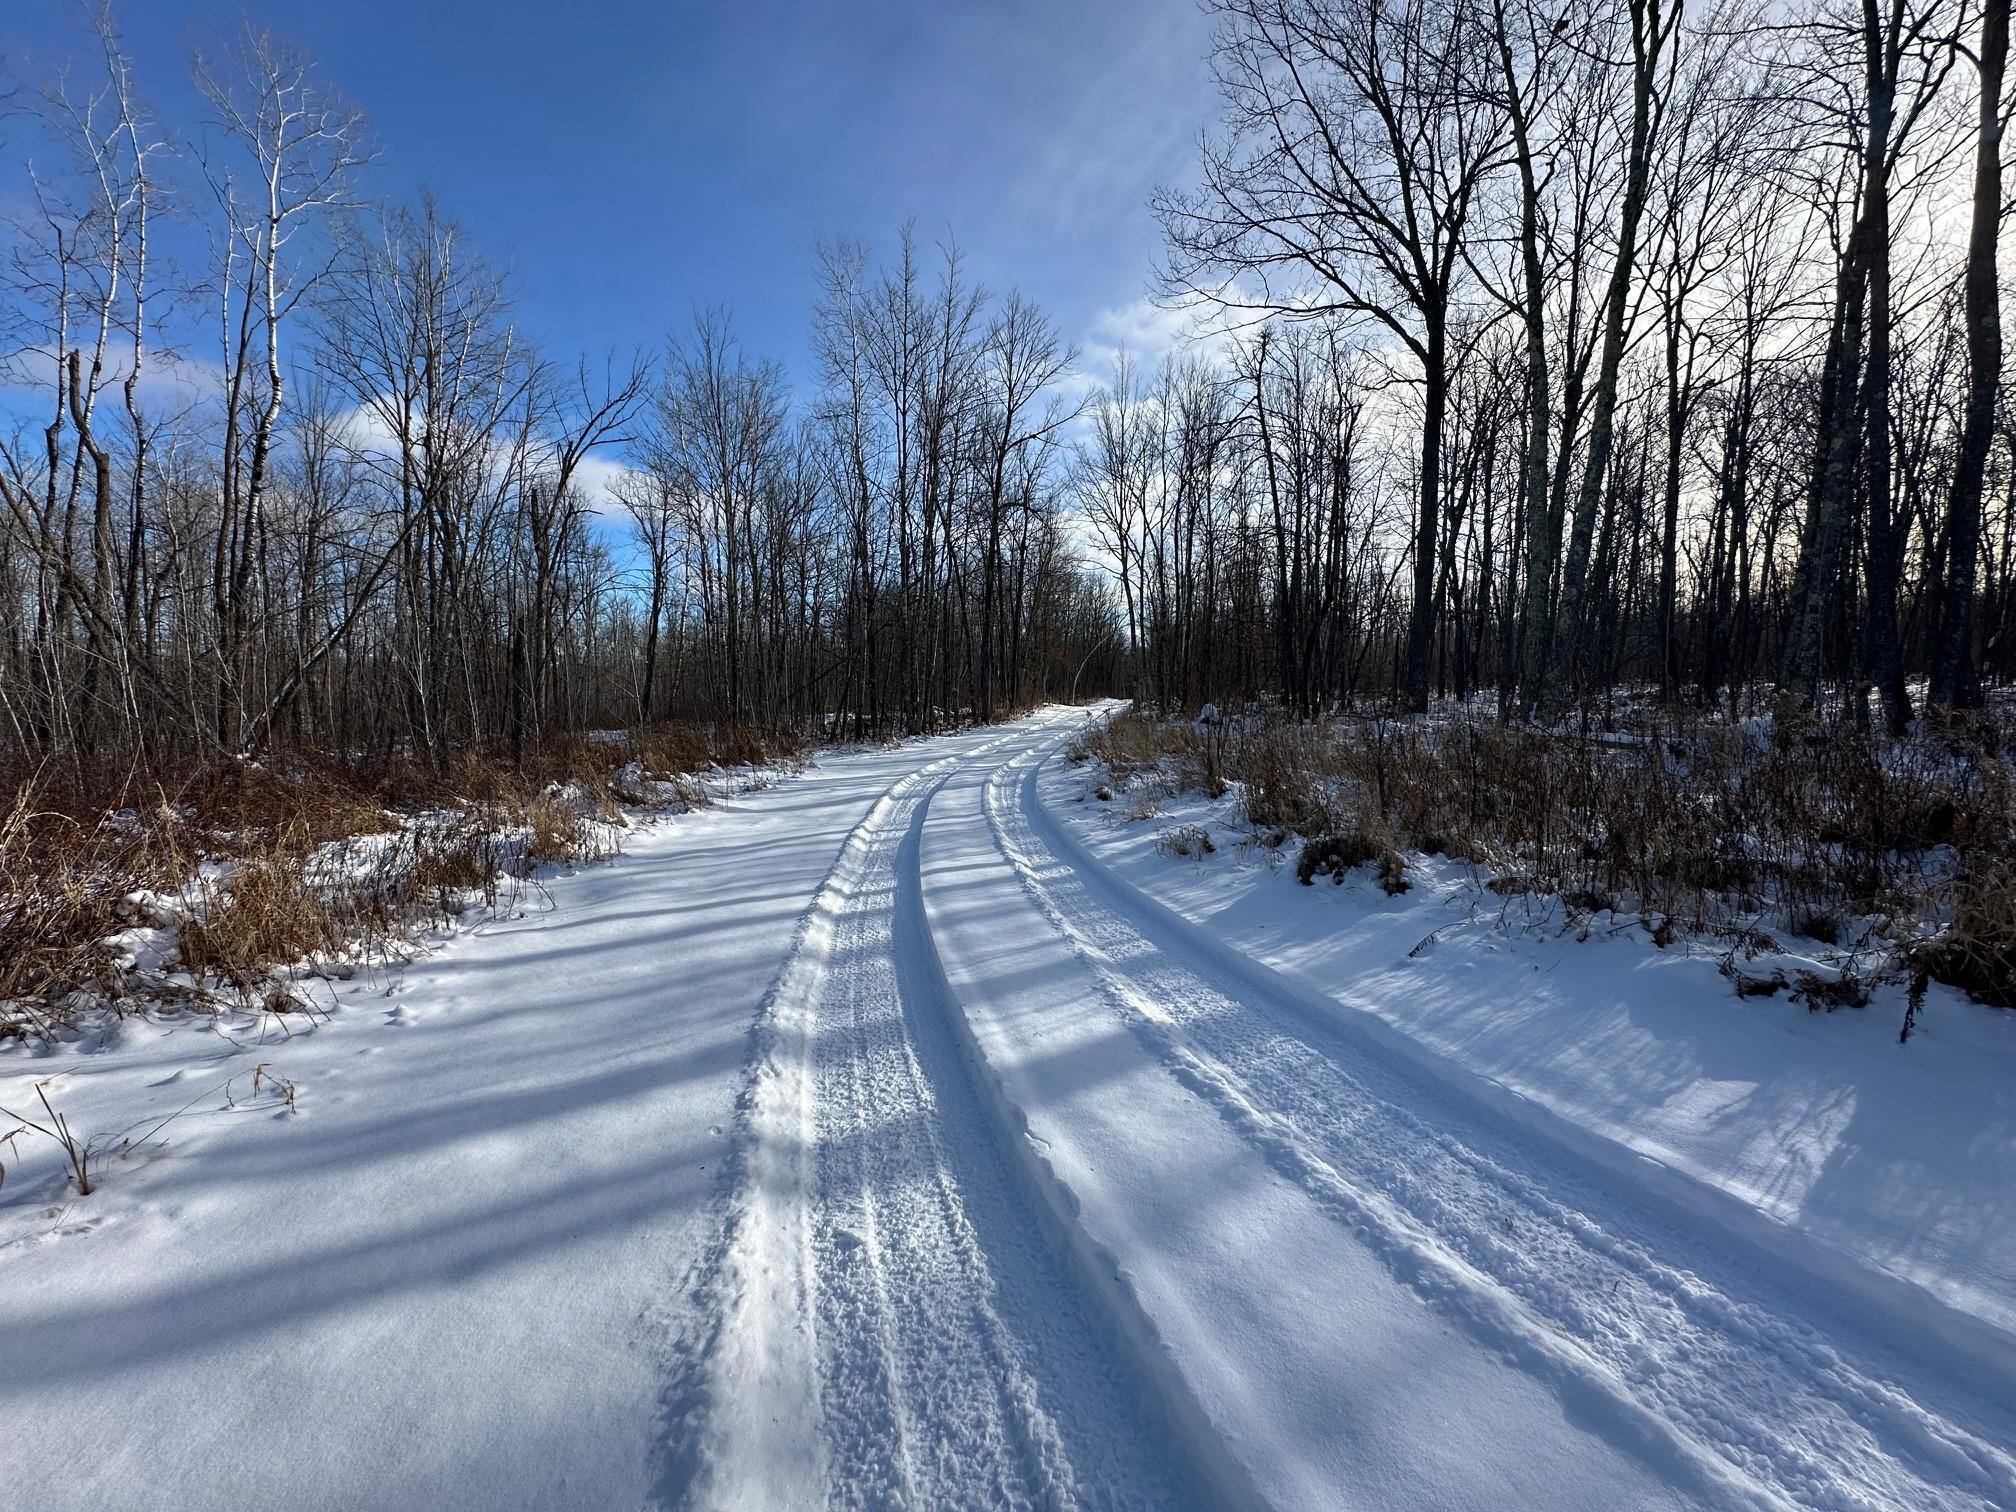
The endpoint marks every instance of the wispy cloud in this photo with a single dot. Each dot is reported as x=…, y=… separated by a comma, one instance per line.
x=1145, y=332
x=168, y=382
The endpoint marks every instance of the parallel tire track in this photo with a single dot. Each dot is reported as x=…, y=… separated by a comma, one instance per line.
x=739, y=1417
x=1712, y=1375
x=891, y=1330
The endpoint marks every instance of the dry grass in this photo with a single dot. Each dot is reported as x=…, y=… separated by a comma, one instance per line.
x=1977, y=951
x=560, y=830
x=309, y=858
x=63, y=886
x=456, y=855
x=1189, y=842
x=245, y=806
x=1132, y=744
x=670, y=751
x=1823, y=830
x=269, y=914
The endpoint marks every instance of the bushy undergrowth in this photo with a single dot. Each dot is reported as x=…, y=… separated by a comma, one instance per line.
x=66, y=882
x=1333, y=854
x=1187, y=842
x=1697, y=825
x=268, y=914
x=235, y=880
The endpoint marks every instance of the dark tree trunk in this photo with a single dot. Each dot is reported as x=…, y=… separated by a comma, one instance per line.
x=1955, y=679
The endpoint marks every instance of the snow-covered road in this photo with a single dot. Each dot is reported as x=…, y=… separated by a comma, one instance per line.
x=871, y=1142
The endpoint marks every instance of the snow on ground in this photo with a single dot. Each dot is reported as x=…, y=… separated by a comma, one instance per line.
x=1885, y=1167
x=915, y=1134
x=455, y=1274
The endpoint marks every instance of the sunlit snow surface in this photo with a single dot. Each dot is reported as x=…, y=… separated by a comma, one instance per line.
x=914, y=1133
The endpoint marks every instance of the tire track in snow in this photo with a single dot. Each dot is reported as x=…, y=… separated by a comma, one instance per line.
x=892, y=1330
x=924, y=1398
x=739, y=1414
x=1730, y=1385
x=954, y=1344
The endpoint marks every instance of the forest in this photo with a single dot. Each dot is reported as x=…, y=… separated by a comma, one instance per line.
x=1546, y=356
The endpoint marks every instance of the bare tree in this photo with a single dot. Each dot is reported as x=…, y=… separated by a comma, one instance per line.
x=1345, y=184
x=1955, y=679
x=289, y=152
x=1652, y=26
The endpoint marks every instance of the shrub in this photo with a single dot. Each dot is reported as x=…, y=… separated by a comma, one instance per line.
x=667, y=751
x=1690, y=820
x=1334, y=856
x=556, y=831
x=1976, y=952
x=242, y=807
x=64, y=882
x=1818, y=924
x=324, y=863
x=1132, y=744
x=268, y=915
x=1185, y=841
x=1286, y=772
x=457, y=855
x=1844, y=991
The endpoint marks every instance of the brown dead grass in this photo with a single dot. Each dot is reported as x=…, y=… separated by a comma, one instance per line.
x=1977, y=951
x=556, y=832
x=1699, y=823
x=458, y=855
x=269, y=914
x=77, y=840
x=63, y=883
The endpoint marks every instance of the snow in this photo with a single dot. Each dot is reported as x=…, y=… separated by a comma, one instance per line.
x=1880, y=1167
x=457, y=1274
x=913, y=1132
x=1312, y=1375
x=895, y=1330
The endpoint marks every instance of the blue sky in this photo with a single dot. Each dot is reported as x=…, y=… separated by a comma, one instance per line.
x=632, y=160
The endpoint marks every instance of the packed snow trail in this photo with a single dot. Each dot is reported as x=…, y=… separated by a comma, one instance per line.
x=1303, y=1372
x=899, y=1334
x=865, y=1142
x=463, y=1272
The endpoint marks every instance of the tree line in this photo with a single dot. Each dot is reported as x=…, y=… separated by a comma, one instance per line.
x=1553, y=355
x=1578, y=348
x=368, y=515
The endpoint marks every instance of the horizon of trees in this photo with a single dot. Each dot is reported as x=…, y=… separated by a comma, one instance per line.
x=372, y=525
x=1558, y=354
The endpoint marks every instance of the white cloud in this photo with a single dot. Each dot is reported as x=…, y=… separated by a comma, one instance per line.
x=598, y=476
x=167, y=382
x=1146, y=332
